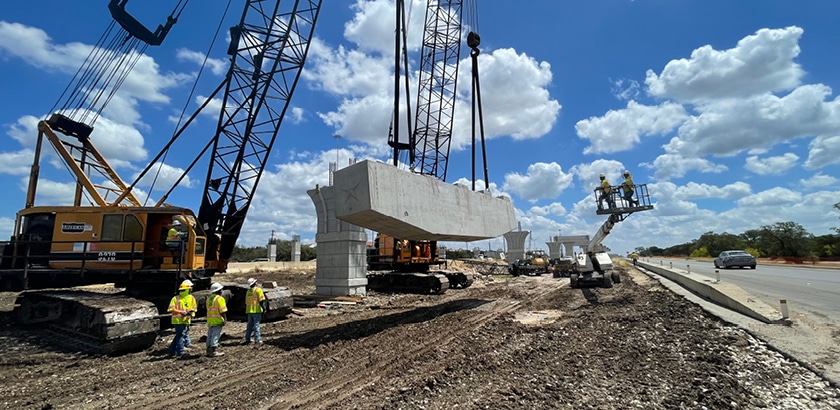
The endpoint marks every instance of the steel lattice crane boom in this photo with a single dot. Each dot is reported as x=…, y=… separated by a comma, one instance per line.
x=429, y=142
x=268, y=48
x=148, y=250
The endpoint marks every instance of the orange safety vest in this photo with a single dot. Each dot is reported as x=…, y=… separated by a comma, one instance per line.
x=216, y=305
x=253, y=298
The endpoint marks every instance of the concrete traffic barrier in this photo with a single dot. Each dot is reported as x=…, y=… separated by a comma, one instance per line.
x=725, y=294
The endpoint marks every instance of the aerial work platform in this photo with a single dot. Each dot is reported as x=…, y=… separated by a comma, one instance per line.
x=405, y=205
x=616, y=204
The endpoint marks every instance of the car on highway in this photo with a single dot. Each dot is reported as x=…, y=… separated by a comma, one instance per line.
x=729, y=259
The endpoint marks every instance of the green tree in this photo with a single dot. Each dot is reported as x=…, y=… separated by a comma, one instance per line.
x=836, y=228
x=786, y=239
x=700, y=252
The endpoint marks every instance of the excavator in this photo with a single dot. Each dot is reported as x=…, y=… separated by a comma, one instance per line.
x=593, y=268
x=401, y=264
x=117, y=238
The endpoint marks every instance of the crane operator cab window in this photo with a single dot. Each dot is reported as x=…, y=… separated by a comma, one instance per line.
x=175, y=234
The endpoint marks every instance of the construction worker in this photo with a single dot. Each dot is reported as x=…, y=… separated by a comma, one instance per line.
x=182, y=307
x=629, y=188
x=216, y=318
x=255, y=305
x=173, y=236
x=635, y=257
x=606, y=193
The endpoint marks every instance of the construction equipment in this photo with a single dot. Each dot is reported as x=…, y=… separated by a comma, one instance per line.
x=535, y=263
x=148, y=249
x=404, y=265
x=593, y=268
x=428, y=142
x=562, y=267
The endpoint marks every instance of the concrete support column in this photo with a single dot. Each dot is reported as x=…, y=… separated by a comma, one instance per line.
x=553, y=249
x=341, y=266
x=295, y=248
x=569, y=248
x=515, y=245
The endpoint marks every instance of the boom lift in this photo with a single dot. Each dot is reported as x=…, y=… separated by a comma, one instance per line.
x=123, y=241
x=593, y=268
x=429, y=141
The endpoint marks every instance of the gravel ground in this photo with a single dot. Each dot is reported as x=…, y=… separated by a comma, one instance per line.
x=503, y=343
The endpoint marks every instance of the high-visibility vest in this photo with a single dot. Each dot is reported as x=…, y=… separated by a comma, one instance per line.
x=628, y=184
x=253, y=298
x=216, y=305
x=605, y=185
x=186, y=304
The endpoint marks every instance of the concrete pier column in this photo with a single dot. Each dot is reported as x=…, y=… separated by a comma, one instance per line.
x=554, y=249
x=295, y=248
x=515, y=245
x=341, y=266
x=569, y=247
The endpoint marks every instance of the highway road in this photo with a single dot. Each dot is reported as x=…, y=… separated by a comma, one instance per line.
x=806, y=289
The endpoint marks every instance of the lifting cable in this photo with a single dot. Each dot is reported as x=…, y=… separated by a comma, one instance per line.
x=103, y=71
x=176, y=133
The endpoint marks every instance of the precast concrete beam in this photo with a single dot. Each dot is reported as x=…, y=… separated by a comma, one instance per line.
x=406, y=205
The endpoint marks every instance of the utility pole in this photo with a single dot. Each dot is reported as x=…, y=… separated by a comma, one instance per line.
x=337, y=137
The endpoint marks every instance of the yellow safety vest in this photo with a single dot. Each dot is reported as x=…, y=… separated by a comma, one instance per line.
x=253, y=298
x=216, y=305
x=606, y=186
x=628, y=184
x=183, y=303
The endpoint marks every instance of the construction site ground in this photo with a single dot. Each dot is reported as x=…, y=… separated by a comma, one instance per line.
x=503, y=343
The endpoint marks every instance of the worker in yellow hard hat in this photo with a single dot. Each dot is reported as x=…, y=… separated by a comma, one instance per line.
x=182, y=307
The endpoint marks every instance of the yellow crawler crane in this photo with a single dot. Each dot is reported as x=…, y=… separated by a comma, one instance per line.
x=113, y=237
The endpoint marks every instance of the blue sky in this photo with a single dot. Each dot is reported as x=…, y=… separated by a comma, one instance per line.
x=728, y=110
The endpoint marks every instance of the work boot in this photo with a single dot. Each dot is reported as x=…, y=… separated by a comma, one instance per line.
x=210, y=352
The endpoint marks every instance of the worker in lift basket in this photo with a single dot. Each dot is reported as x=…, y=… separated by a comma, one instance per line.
x=606, y=193
x=255, y=305
x=629, y=188
x=216, y=318
x=182, y=307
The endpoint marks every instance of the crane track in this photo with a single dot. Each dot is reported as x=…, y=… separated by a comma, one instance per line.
x=333, y=389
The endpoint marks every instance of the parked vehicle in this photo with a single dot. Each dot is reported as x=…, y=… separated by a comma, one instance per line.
x=728, y=259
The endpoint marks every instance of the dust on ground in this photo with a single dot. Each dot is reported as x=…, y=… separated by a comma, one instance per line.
x=509, y=343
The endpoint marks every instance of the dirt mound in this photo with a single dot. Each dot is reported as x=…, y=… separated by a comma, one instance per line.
x=510, y=343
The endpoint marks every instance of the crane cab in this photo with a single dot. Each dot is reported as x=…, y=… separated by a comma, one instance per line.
x=114, y=243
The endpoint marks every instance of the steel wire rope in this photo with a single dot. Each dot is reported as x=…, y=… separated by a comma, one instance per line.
x=79, y=70
x=188, y=99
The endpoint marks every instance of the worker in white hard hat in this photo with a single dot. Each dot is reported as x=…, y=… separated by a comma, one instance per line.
x=182, y=307
x=255, y=305
x=173, y=236
x=216, y=318
x=606, y=193
x=629, y=189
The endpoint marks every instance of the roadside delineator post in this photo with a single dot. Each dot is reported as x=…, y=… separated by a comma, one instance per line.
x=785, y=313
x=688, y=269
x=670, y=265
x=660, y=262
x=717, y=276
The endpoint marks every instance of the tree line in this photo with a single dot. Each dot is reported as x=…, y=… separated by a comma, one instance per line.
x=780, y=240
x=284, y=252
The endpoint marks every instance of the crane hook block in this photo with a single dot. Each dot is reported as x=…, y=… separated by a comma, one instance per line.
x=473, y=39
